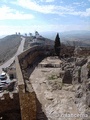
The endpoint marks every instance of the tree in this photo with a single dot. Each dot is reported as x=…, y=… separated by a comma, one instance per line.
x=25, y=34
x=19, y=33
x=57, y=45
x=16, y=33
x=30, y=34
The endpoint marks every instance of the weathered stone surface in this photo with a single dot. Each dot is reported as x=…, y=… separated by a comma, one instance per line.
x=84, y=73
x=48, y=95
x=88, y=99
x=55, y=84
x=77, y=75
x=72, y=59
x=81, y=61
x=77, y=51
x=79, y=94
x=87, y=112
x=88, y=86
x=28, y=86
x=61, y=74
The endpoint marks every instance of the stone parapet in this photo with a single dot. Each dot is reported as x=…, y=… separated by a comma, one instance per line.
x=27, y=95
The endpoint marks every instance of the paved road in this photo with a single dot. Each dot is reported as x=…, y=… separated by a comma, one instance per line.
x=10, y=61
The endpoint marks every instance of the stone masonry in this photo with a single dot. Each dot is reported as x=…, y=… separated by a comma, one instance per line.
x=27, y=96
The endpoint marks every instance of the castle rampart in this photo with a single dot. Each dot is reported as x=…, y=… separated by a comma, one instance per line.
x=27, y=95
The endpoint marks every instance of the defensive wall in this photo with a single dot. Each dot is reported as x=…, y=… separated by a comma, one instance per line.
x=24, y=62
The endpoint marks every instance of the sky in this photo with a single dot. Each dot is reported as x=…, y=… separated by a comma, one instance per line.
x=27, y=16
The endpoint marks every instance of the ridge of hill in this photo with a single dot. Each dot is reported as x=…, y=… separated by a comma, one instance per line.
x=9, y=46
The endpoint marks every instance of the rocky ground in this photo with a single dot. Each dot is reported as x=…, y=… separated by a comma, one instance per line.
x=64, y=90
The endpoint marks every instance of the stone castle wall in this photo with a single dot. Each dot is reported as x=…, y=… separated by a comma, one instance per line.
x=27, y=95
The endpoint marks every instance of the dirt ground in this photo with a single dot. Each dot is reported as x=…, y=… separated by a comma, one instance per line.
x=57, y=99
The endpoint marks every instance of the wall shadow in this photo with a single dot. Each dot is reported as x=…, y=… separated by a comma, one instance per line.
x=40, y=115
x=10, y=115
x=32, y=66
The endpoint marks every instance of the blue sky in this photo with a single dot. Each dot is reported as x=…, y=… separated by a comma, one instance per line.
x=43, y=15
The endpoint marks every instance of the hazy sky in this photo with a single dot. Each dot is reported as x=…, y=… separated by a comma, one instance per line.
x=43, y=15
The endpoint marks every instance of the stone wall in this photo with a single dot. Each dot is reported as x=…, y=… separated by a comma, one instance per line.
x=27, y=95
x=27, y=99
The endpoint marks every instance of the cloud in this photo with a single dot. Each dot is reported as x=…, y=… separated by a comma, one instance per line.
x=47, y=1
x=79, y=4
x=46, y=9
x=82, y=14
x=52, y=8
x=8, y=13
x=86, y=13
x=34, y=6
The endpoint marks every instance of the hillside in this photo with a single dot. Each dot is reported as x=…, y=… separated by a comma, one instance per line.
x=80, y=38
x=8, y=46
